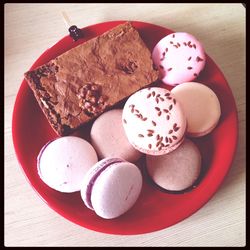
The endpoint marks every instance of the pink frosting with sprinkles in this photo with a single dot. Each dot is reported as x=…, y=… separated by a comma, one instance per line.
x=154, y=121
x=180, y=57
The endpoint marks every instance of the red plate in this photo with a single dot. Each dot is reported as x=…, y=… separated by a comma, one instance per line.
x=155, y=209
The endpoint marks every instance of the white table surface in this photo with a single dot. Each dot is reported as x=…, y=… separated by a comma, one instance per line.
x=32, y=28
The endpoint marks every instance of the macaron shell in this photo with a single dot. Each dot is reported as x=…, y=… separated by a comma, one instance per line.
x=109, y=139
x=177, y=170
x=116, y=190
x=63, y=163
x=201, y=107
x=180, y=57
x=154, y=121
x=91, y=176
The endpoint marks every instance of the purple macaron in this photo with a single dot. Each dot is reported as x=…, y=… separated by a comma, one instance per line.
x=111, y=187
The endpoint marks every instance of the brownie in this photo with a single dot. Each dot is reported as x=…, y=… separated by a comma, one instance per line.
x=82, y=83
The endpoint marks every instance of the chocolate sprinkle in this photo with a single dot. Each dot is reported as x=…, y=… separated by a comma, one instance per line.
x=140, y=135
x=170, y=131
x=170, y=107
x=154, y=123
x=174, y=137
x=165, y=110
x=189, y=58
x=170, y=140
x=149, y=146
x=169, y=69
x=157, y=108
x=124, y=121
x=189, y=68
x=150, y=130
x=176, y=128
x=148, y=95
x=166, y=139
x=198, y=59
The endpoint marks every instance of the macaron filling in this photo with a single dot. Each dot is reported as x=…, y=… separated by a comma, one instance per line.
x=101, y=167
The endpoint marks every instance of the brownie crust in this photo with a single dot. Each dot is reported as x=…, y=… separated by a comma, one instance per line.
x=82, y=83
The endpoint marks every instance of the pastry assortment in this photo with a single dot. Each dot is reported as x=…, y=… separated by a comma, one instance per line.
x=86, y=83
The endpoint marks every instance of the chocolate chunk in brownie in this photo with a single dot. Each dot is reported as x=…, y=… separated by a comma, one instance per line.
x=82, y=83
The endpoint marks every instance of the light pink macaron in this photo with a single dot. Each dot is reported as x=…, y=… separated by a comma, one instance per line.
x=111, y=187
x=178, y=170
x=201, y=106
x=62, y=163
x=108, y=137
x=180, y=57
x=154, y=121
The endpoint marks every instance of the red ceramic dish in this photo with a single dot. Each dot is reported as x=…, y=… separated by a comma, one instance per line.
x=155, y=209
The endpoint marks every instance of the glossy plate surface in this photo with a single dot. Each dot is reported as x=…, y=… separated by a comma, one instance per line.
x=155, y=209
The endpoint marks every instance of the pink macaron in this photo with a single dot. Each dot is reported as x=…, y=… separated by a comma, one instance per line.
x=111, y=187
x=154, y=121
x=201, y=106
x=108, y=137
x=63, y=163
x=180, y=58
x=176, y=171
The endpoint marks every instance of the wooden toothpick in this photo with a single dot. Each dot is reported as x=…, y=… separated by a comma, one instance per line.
x=66, y=19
